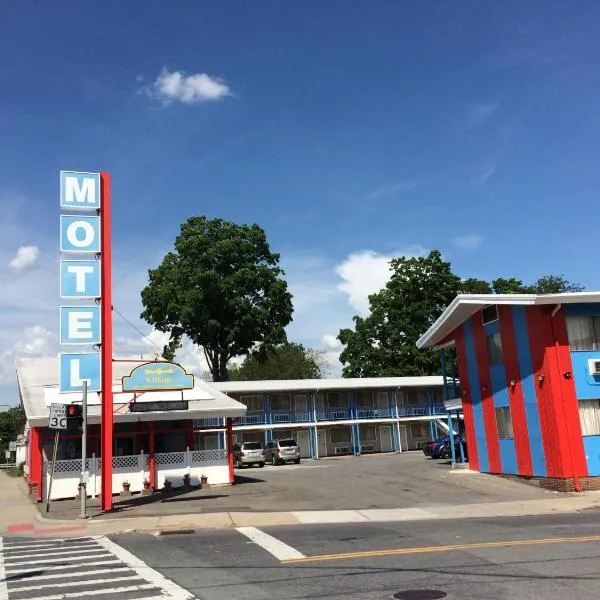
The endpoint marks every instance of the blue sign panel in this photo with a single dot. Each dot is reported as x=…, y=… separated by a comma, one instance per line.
x=79, y=234
x=163, y=376
x=75, y=369
x=80, y=191
x=80, y=279
x=80, y=325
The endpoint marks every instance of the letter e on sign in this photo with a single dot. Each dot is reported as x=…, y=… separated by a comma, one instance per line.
x=80, y=191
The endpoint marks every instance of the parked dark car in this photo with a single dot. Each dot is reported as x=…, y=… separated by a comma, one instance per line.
x=429, y=446
x=442, y=448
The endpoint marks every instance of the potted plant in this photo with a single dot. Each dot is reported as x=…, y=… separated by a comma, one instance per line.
x=126, y=485
x=187, y=480
x=146, y=484
x=203, y=479
x=167, y=484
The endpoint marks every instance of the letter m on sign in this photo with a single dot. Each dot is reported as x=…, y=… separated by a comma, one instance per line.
x=80, y=191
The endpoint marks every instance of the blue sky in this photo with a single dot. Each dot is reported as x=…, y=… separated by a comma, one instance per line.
x=351, y=131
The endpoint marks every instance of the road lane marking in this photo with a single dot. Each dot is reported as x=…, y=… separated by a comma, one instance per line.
x=82, y=574
x=280, y=550
x=449, y=548
x=144, y=571
x=3, y=585
x=99, y=592
x=65, y=584
x=43, y=560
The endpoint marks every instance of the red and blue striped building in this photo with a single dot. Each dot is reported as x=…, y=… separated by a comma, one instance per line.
x=530, y=395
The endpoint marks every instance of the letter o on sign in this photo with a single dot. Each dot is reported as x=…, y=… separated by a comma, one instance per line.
x=80, y=234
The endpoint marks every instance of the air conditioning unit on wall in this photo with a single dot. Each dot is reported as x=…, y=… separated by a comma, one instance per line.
x=594, y=366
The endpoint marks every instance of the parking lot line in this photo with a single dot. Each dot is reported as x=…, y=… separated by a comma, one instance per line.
x=280, y=550
x=449, y=548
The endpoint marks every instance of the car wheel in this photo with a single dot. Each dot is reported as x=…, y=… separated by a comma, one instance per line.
x=297, y=461
x=261, y=465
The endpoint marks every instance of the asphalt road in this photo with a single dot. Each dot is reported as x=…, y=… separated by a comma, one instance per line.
x=537, y=558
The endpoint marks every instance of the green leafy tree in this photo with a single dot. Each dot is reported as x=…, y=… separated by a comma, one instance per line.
x=475, y=286
x=511, y=286
x=556, y=284
x=384, y=342
x=223, y=288
x=286, y=361
x=12, y=422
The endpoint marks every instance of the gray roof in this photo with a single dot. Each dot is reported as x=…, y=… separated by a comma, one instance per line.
x=38, y=386
x=343, y=384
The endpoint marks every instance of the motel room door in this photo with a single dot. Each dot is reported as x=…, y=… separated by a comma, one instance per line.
x=385, y=435
x=302, y=441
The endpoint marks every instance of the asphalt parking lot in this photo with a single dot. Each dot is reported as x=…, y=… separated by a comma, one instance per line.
x=354, y=483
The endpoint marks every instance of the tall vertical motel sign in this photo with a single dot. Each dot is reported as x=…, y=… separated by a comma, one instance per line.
x=85, y=276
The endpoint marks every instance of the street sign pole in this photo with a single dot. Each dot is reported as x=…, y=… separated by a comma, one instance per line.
x=52, y=471
x=84, y=475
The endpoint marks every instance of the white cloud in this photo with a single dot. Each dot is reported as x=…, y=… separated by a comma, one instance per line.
x=26, y=257
x=190, y=89
x=330, y=341
x=468, y=242
x=366, y=272
x=484, y=176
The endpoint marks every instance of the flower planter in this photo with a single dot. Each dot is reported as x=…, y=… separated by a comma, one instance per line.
x=204, y=480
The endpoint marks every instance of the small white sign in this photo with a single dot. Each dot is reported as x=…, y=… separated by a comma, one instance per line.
x=85, y=476
x=7, y=453
x=58, y=416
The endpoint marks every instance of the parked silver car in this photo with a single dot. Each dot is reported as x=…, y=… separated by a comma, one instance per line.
x=248, y=453
x=282, y=451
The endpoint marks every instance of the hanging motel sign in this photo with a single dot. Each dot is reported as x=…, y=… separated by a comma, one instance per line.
x=80, y=277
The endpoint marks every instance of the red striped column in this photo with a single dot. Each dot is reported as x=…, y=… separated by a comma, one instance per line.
x=463, y=375
x=489, y=412
x=515, y=392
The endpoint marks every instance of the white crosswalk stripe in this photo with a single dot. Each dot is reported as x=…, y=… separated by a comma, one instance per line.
x=93, y=567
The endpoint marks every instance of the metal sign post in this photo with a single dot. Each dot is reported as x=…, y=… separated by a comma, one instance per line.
x=52, y=471
x=84, y=473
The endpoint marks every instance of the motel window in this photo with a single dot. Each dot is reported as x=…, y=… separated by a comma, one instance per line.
x=340, y=435
x=589, y=416
x=494, y=345
x=419, y=430
x=382, y=398
x=366, y=433
x=281, y=403
x=252, y=402
x=504, y=423
x=583, y=332
x=489, y=314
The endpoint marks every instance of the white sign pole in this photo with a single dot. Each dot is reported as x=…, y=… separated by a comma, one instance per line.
x=52, y=471
x=84, y=475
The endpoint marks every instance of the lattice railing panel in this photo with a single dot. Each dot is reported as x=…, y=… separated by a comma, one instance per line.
x=126, y=462
x=170, y=458
x=214, y=455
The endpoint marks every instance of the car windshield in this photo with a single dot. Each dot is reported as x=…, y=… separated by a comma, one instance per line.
x=252, y=446
x=287, y=443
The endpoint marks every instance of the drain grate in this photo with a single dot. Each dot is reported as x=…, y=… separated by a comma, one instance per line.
x=419, y=595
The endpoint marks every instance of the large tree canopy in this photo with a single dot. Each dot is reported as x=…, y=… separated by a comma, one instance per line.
x=223, y=288
x=384, y=342
x=286, y=361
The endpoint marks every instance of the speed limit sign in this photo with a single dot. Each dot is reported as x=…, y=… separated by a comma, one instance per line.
x=58, y=416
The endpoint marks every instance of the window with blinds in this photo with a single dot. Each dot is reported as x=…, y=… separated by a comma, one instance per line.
x=504, y=423
x=583, y=332
x=589, y=416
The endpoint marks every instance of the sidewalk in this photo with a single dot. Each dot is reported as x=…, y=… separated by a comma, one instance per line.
x=19, y=516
